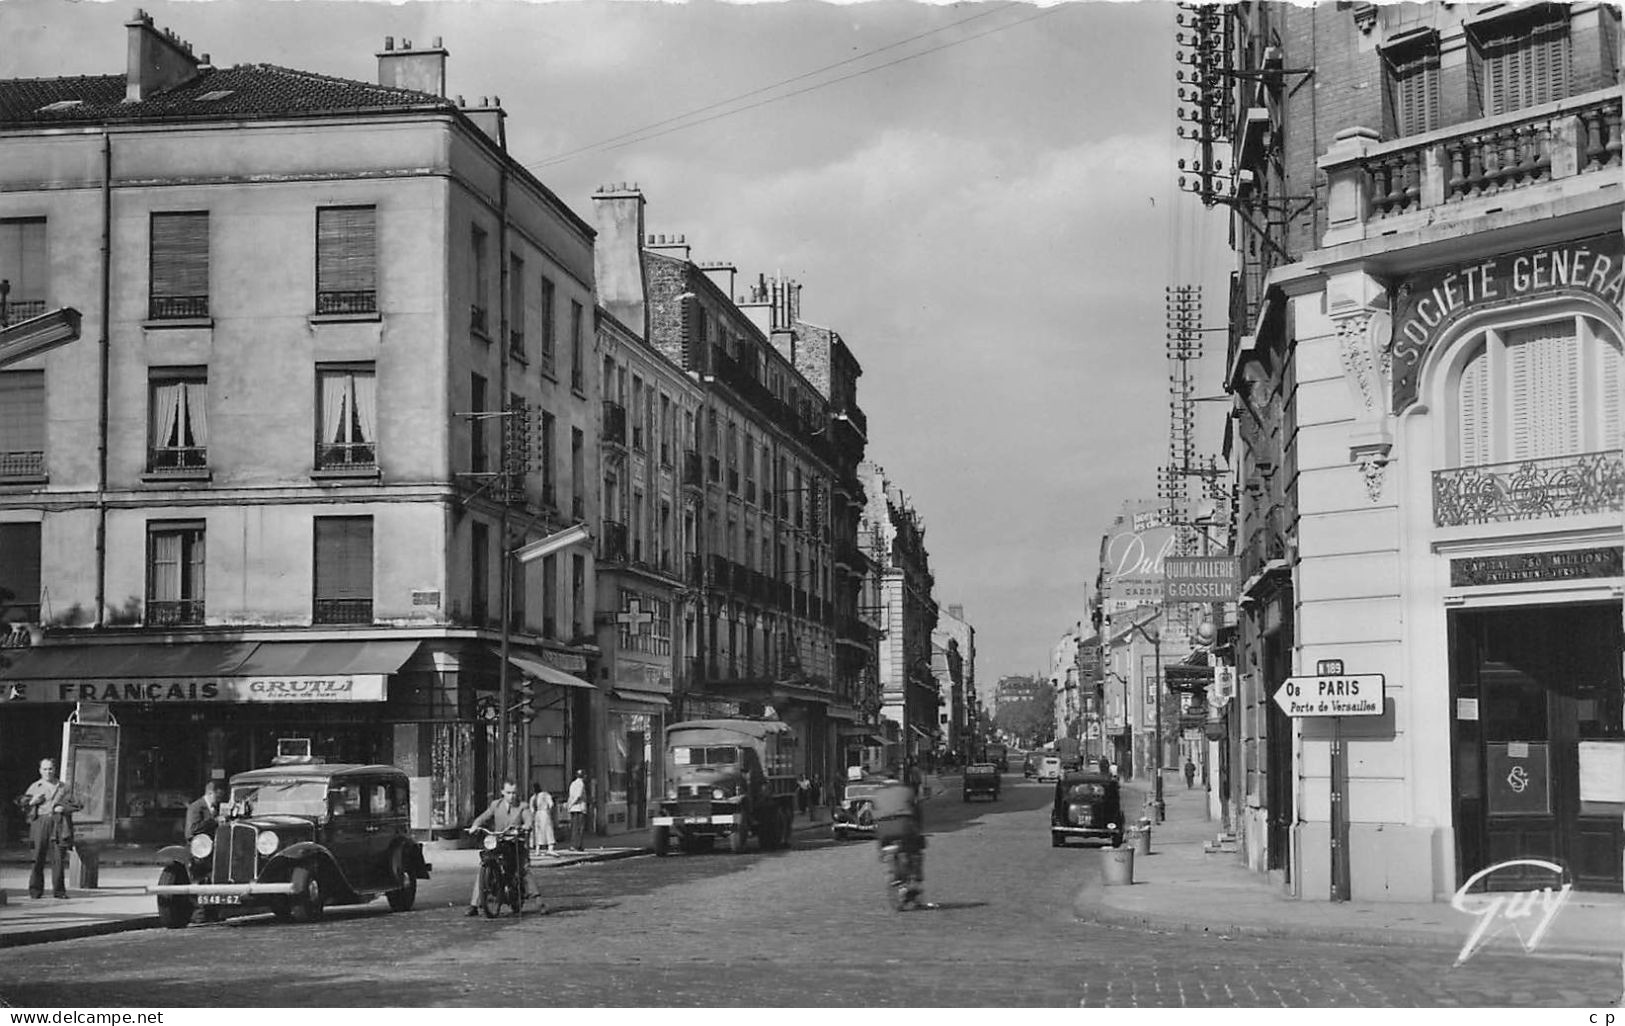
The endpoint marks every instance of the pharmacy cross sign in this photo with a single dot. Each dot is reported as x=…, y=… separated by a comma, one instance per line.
x=634, y=617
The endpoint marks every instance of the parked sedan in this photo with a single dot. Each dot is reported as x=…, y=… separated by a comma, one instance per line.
x=855, y=815
x=294, y=839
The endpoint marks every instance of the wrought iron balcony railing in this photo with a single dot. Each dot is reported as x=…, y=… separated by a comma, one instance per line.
x=341, y=610
x=171, y=308
x=352, y=301
x=27, y=463
x=173, y=612
x=347, y=456
x=170, y=459
x=1372, y=182
x=1556, y=486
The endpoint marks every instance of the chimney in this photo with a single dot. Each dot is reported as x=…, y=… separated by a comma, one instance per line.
x=722, y=276
x=758, y=306
x=157, y=60
x=490, y=118
x=677, y=246
x=422, y=70
x=618, y=255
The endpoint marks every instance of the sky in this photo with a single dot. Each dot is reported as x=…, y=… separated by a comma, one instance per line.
x=980, y=198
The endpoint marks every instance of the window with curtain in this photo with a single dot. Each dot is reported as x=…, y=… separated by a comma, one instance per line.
x=548, y=329
x=578, y=345
x=347, y=417
x=1412, y=72
x=516, y=306
x=179, y=286
x=179, y=422
x=1523, y=59
x=346, y=260
x=20, y=573
x=343, y=570
x=637, y=413
x=23, y=264
x=175, y=554
x=22, y=424
x=1536, y=391
x=479, y=283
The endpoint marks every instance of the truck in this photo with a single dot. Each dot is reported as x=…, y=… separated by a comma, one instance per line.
x=1067, y=749
x=727, y=779
x=998, y=755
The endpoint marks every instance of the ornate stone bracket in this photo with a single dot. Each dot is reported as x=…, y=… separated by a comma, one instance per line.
x=1358, y=305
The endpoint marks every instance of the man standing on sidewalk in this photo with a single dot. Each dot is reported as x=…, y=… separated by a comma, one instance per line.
x=49, y=806
x=575, y=803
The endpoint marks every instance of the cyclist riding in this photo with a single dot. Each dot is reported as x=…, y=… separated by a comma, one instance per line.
x=507, y=812
x=900, y=833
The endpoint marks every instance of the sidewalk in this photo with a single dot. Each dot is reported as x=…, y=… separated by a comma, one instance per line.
x=1180, y=887
x=121, y=903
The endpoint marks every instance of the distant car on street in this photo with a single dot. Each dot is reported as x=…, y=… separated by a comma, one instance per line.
x=981, y=778
x=1049, y=768
x=1029, y=766
x=294, y=839
x=855, y=815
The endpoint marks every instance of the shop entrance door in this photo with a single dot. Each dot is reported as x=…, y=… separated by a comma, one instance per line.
x=1536, y=697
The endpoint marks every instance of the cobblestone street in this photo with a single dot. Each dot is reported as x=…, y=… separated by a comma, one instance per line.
x=807, y=927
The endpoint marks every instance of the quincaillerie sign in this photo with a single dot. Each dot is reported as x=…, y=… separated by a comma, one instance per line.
x=1429, y=305
x=1535, y=567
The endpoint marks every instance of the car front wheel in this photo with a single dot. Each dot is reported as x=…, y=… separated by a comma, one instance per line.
x=174, y=910
x=308, y=899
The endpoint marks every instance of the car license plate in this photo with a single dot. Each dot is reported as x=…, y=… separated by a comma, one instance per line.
x=697, y=820
x=219, y=899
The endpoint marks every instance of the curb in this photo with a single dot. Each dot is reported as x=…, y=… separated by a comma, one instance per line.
x=62, y=933
x=1100, y=914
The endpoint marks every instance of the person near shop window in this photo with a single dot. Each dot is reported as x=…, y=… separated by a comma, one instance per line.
x=204, y=813
x=48, y=803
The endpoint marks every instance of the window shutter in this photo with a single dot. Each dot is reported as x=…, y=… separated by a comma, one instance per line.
x=346, y=249
x=180, y=254
x=1545, y=380
x=1610, y=375
x=1473, y=411
x=344, y=558
x=22, y=411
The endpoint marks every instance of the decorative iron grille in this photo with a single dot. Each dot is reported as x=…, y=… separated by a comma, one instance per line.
x=22, y=464
x=342, y=610
x=168, y=308
x=353, y=301
x=167, y=613
x=1555, y=486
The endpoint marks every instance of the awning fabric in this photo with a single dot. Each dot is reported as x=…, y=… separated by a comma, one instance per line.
x=544, y=672
x=336, y=658
x=98, y=662
x=642, y=697
x=920, y=732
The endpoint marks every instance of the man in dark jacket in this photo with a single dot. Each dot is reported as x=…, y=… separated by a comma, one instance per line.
x=48, y=803
x=203, y=814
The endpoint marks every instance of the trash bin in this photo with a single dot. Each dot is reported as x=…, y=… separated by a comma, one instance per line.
x=1117, y=867
x=84, y=867
x=1142, y=840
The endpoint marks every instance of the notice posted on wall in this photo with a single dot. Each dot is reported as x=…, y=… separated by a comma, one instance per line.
x=1602, y=771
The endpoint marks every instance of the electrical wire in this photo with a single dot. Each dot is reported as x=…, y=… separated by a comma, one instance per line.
x=637, y=135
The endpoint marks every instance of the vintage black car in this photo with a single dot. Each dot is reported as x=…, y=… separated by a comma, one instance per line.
x=981, y=778
x=855, y=814
x=1088, y=806
x=294, y=839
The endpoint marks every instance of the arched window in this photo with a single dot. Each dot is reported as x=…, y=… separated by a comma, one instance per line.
x=1537, y=389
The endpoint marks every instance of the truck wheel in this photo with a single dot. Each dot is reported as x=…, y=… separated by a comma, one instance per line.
x=308, y=899
x=1057, y=840
x=174, y=910
x=660, y=840
x=736, y=839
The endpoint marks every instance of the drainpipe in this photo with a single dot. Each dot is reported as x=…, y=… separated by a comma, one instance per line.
x=104, y=353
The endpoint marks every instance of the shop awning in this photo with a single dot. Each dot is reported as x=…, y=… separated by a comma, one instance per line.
x=641, y=697
x=920, y=732
x=326, y=658
x=547, y=673
x=126, y=662
x=862, y=734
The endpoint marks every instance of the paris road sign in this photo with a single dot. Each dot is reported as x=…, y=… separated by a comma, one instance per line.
x=1339, y=694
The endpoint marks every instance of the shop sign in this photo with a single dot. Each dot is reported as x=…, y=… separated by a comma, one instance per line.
x=1537, y=567
x=1132, y=564
x=1201, y=578
x=360, y=687
x=1353, y=694
x=1519, y=778
x=1429, y=305
x=569, y=662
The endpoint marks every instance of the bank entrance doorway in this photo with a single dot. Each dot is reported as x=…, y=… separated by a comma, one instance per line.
x=1536, y=704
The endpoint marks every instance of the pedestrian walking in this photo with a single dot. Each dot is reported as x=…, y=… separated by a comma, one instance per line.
x=543, y=837
x=575, y=803
x=1105, y=765
x=803, y=793
x=1190, y=773
x=48, y=803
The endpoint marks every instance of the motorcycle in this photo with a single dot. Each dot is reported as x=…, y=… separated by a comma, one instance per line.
x=502, y=868
x=905, y=874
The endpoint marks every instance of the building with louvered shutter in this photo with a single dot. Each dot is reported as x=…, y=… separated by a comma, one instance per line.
x=1425, y=357
x=316, y=400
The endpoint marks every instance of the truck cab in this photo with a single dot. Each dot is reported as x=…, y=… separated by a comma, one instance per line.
x=725, y=780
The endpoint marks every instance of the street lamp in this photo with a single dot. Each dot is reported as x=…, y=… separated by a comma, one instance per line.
x=1157, y=806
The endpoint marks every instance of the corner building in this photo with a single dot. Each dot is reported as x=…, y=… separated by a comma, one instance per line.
x=1425, y=355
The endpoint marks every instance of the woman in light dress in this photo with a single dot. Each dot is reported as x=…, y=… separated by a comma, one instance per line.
x=541, y=805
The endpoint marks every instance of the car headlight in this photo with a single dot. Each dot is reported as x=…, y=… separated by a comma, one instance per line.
x=719, y=793
x=490, y=842
x=202, y=846
x=267, y=843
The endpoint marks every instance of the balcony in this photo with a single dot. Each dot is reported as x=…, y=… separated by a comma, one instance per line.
x=351, y=301
x=22, y=310
x=691, y=469
x=1557, y=486
x=346, y=456
x=614, y=423
x=173, y=612
x=612, y=544
x=177, y=459
x=1375, y=186
x=25, y=463
x=341, y=610
x=855, y=418
x=177, y=308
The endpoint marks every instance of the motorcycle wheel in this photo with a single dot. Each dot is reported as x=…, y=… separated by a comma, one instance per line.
x=491, y=898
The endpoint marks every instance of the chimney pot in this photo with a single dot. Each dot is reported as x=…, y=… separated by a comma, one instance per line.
x=460, y=102
x=406, y=44
x=389, y=42
x=437, y=43
x=496, y=101
x=206, y=59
